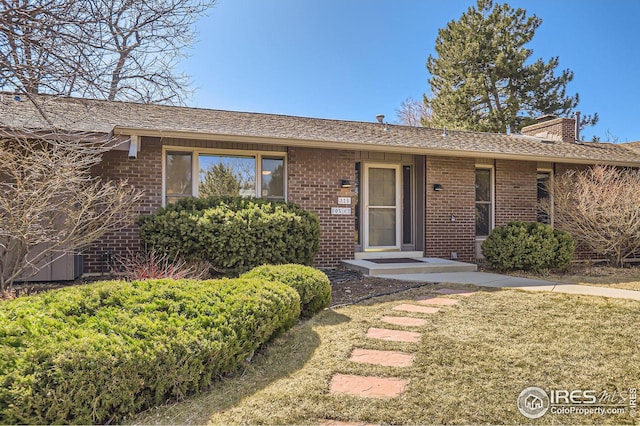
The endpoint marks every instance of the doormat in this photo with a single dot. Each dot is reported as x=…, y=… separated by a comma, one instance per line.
x=395, y=260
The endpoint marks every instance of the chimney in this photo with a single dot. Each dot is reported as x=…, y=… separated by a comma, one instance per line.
x=553, y=128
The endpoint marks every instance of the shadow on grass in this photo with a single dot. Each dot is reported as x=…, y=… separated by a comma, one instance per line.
x=428, y=289
x=279, y=358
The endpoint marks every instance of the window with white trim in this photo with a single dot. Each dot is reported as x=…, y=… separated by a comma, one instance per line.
x=223, y=173
x=484, y=202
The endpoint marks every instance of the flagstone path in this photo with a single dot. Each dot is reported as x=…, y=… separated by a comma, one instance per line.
x=390, y=387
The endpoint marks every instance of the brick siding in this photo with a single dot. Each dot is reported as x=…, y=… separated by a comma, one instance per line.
x=442, y=236
x=516, y=193
x=314, y=184
x=565, y=128
x=145, y=173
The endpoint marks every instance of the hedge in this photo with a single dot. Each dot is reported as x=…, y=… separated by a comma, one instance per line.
x=312, y=285
x=234, y=234
x=527, y=246
x=99, y=352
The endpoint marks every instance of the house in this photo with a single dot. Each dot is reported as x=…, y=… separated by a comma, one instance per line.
x=533, y=402
x=379, y=189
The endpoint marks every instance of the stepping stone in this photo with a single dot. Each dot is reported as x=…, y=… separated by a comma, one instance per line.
x=452, y=291
x=393, y=335
x=367, y=387
x=405, y=321
x=442, y=301
x=385, y=358
x=339, y=423
x=416, y=308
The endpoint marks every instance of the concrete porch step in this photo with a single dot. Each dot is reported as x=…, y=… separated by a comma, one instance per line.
x=413, y=266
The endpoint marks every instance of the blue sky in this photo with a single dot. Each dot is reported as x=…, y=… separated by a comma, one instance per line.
x=353, y=59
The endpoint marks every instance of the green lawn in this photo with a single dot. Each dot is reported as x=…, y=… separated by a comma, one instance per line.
x=473, y=361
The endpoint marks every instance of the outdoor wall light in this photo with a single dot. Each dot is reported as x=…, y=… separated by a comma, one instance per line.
x=345, y=183
x=438, y=187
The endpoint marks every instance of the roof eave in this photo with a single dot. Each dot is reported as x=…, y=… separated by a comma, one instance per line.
x=351, y=146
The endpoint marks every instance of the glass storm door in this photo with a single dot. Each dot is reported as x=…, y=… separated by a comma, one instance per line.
x=382, y=205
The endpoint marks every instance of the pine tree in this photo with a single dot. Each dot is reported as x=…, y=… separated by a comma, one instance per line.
x=482, y=78
x=220, y=180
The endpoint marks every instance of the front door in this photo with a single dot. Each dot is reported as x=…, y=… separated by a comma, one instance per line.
x=382, y=207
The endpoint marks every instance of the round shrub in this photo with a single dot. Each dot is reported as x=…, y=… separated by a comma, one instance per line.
x=527, y=246
x=99, y=352
x=234, y=234
x=313, y=286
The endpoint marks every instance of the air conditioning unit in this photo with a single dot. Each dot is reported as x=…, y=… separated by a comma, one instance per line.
x=68, y=267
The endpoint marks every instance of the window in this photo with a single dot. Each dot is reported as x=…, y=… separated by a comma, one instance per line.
x=544, y=179
x=356, y=190
x=178, y=176
x=272, y=178
x=484, y=202
x=226, y=176
x=407, y=222
x=230, y=173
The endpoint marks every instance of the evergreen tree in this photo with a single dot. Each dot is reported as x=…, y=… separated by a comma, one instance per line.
x=482, y=78
x=219, y=180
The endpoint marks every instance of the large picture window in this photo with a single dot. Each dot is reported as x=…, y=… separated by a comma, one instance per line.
x=223, y=174
x=484, y=202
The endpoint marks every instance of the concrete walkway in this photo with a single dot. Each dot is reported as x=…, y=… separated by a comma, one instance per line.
x=484, y=279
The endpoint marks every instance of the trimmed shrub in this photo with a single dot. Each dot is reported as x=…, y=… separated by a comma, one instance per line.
x=528, y=246
x=312, y=285
x=99, y=352
x=233, y=234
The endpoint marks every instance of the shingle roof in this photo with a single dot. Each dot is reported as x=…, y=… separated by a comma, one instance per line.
x=83, y=115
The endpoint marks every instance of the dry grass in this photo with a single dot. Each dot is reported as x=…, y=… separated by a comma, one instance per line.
x=598, y=275
x=473, y=361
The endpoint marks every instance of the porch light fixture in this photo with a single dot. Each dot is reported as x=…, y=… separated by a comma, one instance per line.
x=438, y=187
x=345, y=183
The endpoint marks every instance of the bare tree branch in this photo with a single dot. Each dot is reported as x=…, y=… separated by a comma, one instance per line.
x=50, y=204
x=413, y=112
x=600, y=208
x=105, y=49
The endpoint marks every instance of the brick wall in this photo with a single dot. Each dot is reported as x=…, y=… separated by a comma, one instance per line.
x=145, y=173
x=565, y=128
x=314, y=184
x=516, y=194
x=442, y=236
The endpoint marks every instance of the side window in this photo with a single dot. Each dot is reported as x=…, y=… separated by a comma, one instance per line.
x=544, y=179
x=272, y=178
x=484, y=202
x=356, y=190
x=179, y=182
